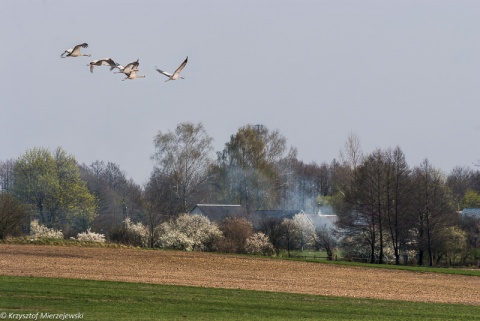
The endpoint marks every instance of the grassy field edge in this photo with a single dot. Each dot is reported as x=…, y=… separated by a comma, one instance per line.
x=106, y=300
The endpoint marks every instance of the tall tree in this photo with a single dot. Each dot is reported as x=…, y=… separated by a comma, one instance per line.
x=303, y=185
x=160, y=202
x=52, y=183
x=374, y=203
x=6, y=174
x=352, y=154
x=117, y=197
x=12, y=215
x=460, y=180
x=183, y=157
x=248, y=167
x=433, y=205
x=398, y=214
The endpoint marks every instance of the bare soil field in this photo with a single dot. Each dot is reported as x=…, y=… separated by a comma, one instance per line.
x=237, y=272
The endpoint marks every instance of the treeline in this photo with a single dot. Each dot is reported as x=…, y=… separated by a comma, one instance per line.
x=387, y=210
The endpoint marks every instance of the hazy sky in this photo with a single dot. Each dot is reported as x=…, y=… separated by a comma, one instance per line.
x=403, y=73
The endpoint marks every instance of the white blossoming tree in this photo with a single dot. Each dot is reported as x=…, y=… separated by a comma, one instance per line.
x=90, y=236
x=259, y=243
x=137, y=233
x=38, y=230
x=305, y=230
x=188, y=232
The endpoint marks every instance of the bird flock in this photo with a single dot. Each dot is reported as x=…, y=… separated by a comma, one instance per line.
x=130, y=70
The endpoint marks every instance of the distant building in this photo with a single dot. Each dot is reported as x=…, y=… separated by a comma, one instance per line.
x=325, y=216
x=217, y=212
x=320, y=220
x=471, y=212
x=259, y=216
x=280, y=214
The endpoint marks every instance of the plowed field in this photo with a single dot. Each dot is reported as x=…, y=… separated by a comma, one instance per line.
x=239, y=272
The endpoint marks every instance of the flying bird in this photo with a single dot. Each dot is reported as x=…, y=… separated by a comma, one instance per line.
x=133, y=66
x=132, y=75
x=176, y=74
x=75, y=51
x=103, y=62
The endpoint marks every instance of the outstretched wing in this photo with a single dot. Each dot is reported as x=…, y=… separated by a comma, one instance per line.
x=181, y=66
x=109, y=61
x=133, y=66
x=83, y=45
x=76, y=49
x=163, y=72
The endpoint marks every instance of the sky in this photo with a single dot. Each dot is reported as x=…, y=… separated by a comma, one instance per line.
x=395, y=73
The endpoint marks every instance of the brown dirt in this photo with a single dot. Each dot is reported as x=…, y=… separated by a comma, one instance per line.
x=237, y=272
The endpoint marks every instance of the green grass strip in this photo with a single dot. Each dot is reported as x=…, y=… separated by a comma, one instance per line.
x=103, y=300
x=421, y=269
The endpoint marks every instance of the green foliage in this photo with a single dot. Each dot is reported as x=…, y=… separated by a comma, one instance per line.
x=101, y=301
x=470, y=199
x=51, y=183
x=247, y=167
x=421, y=269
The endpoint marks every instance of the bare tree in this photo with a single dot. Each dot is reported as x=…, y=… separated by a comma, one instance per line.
x=460, y=180
x=236, y=231
x=352, y=154
x=433, y=207
x=118, y=198
x=325, y=239
x=399, y=220
x=12, y=214
x=290, y=234
x=375, y=204
x=184, y=157
x=271, y=227
x=6, y=174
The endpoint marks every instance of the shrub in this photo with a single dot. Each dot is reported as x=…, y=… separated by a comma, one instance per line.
x=90, y=236
x=259, y=243
x=134, y=234
x=188, y=232
x=38, y=230
x=235, y=231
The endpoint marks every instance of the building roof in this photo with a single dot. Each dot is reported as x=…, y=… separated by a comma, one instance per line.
x=320, y=220
x=281, y=214
x=217, y=212
x=259, y=216
x=471, y=211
